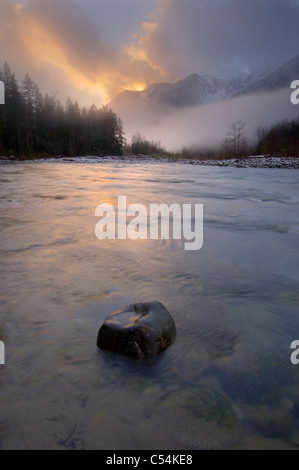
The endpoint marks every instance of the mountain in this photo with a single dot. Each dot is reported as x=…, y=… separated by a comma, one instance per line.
x=198, y=109
x=197, y=90
x=192, y=91
x=281, y=77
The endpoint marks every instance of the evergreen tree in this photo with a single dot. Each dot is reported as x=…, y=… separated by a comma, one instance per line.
x=120, y=137
x=1, y=118
x=13, y=112
x=33, y=124
x=281, y=139
x=27, y=95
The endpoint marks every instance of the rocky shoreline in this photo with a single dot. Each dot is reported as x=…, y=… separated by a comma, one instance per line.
x=260, y=161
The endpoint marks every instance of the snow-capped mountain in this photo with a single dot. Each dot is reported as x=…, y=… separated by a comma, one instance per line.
x=192, y=91
x=196, y=90
x=281, y=77
x=161, y=99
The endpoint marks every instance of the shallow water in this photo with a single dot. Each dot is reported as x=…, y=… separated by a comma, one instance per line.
x=226, y=381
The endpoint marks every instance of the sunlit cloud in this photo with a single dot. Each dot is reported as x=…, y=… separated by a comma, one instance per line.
x=42, y=46
x=67, y=49
x=55, y=35
x=137, y=50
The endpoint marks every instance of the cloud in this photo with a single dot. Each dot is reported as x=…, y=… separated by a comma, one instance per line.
x=92, y=49
x=56, y=36
x=219, y=36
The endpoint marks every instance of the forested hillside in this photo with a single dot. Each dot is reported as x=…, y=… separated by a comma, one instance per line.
x=35, y=125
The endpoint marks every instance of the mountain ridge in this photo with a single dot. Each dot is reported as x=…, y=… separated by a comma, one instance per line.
x=196, y=90
x=280, y=77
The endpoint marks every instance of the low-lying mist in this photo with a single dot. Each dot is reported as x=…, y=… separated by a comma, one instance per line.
x=206, y=126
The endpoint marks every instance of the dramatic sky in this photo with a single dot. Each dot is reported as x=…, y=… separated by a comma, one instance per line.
x=92, y=49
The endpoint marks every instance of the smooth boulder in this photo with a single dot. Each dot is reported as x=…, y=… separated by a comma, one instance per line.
x=141, y=330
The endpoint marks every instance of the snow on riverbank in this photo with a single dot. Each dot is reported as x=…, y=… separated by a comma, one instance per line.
x=260, y=161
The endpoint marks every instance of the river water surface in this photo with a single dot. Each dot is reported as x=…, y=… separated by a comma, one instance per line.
x=226, y=382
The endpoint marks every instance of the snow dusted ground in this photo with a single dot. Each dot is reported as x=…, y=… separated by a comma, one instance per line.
x=260, y=161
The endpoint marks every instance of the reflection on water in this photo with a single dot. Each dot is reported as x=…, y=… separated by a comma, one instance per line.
x=226, y=382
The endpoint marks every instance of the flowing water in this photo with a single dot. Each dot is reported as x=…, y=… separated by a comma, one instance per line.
x=226, y=382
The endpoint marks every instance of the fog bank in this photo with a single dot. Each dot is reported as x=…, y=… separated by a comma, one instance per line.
x=206, y=126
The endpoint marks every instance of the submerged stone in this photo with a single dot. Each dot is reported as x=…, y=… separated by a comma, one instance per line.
x=264, y=443
x=198, y=418
x=141, y=330
x=262, y=382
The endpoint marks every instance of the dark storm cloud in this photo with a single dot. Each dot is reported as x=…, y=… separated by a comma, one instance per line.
x=118, y=19
x=97, y=48
x=215, y=36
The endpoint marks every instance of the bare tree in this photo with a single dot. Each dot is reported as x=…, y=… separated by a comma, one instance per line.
x=235, y=142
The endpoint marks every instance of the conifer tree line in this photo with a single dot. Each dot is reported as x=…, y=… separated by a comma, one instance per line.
x=35, y=125
x=280, y=139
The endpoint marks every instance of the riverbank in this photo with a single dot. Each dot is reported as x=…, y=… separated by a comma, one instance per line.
x=260, y=161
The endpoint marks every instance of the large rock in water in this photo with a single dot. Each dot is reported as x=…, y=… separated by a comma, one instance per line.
x=141, y=330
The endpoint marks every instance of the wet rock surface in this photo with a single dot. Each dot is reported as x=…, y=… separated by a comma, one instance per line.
x=141, y=330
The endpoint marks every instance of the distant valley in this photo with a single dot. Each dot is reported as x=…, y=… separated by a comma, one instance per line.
x=198, y=109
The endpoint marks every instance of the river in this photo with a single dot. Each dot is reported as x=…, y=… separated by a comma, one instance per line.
x=226, y=382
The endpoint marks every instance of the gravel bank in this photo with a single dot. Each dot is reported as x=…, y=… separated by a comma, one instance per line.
x=252, y=162
x=261, y=161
